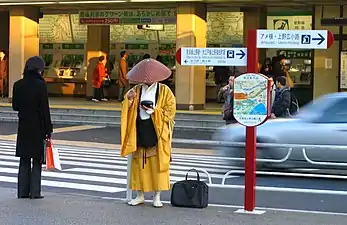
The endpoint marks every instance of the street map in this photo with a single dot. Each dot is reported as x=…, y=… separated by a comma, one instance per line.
x=250, y=99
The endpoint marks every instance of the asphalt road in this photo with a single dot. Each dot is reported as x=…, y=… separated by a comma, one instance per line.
x=67, y=209
x=102, y=173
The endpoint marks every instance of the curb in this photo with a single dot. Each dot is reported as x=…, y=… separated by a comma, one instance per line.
x=114, y=124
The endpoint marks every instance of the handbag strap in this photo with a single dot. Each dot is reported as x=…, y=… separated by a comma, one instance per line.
x=197, y=174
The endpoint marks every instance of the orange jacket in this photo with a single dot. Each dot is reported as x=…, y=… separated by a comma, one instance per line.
x=99, y=75
x=122, y=71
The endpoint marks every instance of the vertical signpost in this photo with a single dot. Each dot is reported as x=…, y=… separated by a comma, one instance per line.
x=245, y=91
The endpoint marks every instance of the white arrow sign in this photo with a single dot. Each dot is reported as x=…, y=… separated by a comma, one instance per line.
x=292, y=39
x=213, y=56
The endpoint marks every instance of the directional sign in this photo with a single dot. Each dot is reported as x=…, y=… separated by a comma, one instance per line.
x=294, y=39
x=212, y=56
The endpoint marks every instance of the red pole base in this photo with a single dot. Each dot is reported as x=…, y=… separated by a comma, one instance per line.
x=250, y=168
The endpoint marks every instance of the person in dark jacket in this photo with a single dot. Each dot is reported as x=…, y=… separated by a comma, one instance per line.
x=30, y=99
x=267, y=68
x=277, y=68
x=282, y=101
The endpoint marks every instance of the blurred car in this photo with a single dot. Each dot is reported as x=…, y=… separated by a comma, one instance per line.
x=321, y=122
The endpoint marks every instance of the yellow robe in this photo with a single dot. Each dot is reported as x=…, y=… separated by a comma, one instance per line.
x=155, y=176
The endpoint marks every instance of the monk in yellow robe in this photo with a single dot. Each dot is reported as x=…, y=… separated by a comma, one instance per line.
x=146, y=131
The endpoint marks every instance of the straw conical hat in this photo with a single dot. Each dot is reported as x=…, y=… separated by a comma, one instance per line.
x=149, y=71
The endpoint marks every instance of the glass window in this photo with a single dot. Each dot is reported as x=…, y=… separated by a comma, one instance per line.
x=337, y=113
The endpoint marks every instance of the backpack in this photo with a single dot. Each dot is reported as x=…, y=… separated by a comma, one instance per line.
x=294, y=104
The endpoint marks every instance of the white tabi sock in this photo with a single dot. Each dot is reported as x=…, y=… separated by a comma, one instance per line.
x=156, y=200
x=140, y=199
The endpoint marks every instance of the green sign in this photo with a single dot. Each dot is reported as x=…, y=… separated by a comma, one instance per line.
x=136, y=46
x=165, y=47
x=133, y=16
x=47, y=46
x=295, y=54
x=213, y=45
x=72, y=46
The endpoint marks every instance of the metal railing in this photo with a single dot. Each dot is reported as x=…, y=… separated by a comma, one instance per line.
x=290, y=148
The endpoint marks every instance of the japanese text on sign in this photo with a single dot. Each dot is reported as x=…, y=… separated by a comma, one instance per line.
x=214, y=56
x=297, y=39
x=146, y=16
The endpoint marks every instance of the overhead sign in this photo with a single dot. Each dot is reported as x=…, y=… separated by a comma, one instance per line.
x=251, y=99
x=212, y=56
x=131, y=16
x=292, y=39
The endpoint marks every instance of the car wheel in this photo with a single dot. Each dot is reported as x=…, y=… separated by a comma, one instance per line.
x=240, y=153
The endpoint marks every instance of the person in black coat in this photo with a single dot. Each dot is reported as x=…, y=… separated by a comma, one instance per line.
x=30, y=99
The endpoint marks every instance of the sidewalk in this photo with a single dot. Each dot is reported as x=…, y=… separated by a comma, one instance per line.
x=59, y=209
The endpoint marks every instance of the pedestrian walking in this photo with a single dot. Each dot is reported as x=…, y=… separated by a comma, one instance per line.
x=98, y=80
x=30, y=99
x=148, y=114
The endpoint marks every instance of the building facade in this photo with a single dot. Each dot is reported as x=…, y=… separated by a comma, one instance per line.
x=71, y=35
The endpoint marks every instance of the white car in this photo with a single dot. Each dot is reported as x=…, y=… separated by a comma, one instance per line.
x=321, y=122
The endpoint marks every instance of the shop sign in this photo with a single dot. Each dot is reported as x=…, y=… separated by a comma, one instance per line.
x=213, y=57
x=164, y=47
x=167, y=48
x=136, y=46
x=47, y=46
x=72, y=46
x=292, y=39
x=295, y=54
x=136, y=17
x=251, y=102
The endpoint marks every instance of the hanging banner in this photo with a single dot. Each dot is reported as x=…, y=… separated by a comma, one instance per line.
x=133, y=16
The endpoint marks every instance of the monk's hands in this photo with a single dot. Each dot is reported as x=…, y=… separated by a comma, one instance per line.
x=131, y=95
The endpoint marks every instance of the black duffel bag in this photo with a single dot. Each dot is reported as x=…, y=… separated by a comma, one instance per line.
x=190, y=193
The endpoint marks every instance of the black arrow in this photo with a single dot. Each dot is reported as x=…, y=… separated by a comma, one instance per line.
x=321, y=39
x=185, y=61
x=242, y=54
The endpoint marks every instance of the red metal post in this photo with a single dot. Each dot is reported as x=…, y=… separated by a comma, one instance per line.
x=251, y=142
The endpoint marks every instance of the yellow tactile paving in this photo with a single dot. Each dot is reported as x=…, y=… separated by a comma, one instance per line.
x=68, y=103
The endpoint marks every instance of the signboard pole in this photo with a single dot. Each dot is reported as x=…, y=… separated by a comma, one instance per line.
x=251, y=142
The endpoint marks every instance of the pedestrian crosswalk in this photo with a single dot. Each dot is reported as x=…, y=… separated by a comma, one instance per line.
x=101, y=170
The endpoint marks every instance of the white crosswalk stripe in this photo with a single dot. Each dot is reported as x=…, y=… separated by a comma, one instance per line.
x=101, y=170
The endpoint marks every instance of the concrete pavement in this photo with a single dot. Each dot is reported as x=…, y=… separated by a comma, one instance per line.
x=65, y=209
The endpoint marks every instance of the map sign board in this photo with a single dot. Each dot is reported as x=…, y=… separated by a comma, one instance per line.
x=212, y=57
x=251, y=99
x=292, y=39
